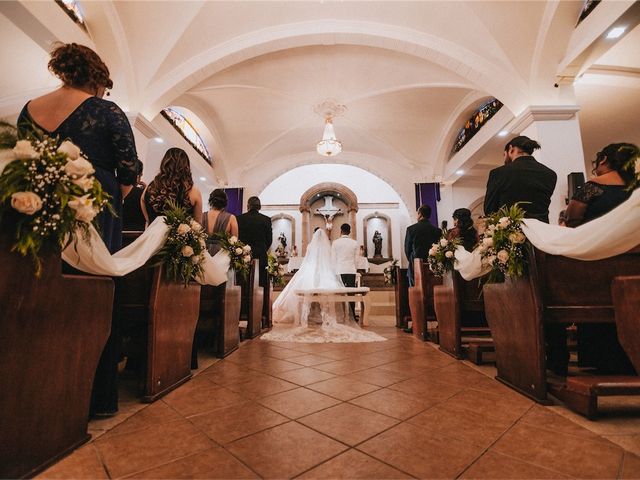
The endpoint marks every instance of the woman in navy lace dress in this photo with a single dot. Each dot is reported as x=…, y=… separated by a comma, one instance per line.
x=76, y=111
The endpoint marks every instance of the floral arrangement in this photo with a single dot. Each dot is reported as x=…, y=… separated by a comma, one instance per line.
x=239, y=253
x=502, y=245
x=275, y=270
x=633, y=165
x=390, y=273
x=48, y=193
x=442, y=255
x=183, y=251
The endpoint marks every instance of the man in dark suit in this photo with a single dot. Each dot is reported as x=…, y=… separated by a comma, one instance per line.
x=521, y=179
x=254, y=229
x=419, y=238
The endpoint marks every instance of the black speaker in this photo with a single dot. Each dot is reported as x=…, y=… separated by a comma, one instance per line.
x=575, y=180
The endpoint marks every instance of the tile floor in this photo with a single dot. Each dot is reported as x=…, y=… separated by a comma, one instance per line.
x=394, y=409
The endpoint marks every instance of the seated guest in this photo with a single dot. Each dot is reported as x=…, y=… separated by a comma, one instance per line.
x=132, y=216
x=598, y=344
x=463, y=228
x=521, y=179
x=254, y=229
x=173, y=183
x=218, y=220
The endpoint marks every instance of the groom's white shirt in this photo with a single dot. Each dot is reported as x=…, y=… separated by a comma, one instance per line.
x=344, y=252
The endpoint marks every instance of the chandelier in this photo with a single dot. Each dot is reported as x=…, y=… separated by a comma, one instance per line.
x=329, y=146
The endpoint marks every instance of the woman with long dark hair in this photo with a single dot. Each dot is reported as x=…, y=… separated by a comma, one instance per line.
x=218, y=220
x=463, y=228
x=174, y=183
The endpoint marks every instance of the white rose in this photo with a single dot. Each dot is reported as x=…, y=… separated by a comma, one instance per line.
x=196, y=259
x=504, y=222
x=246, y=249
x=491, y=259
x=247, y=258
x=491, y=228
x=85, y=183
x=77, y=203
x=487, y=241
x=432, y=252
x=183, y=229
x=448, y=254
x=6, y=157
x=71, y=149
x=196, y=226
x=233, y=240
x=517, y=237
x=503, y=256
x=24, y=149
x=239, y=251
x=26, y=202
x=187, y=251
x=281, y=269
x=86, y=214
x=444, y=242
x=78, y=168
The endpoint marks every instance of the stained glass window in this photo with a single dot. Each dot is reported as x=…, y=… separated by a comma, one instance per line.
x=587, y=8
x=475, y=123
x=72, y=8
x=184, y=127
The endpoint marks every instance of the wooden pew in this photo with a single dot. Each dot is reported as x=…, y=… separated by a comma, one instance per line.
x=166, y=314
x=53, y=331
x=556, y=290
x=401, y=290
x=421, y=299
x=459, y=308
x=267, y=307
x=252, y=301
x=219, y=321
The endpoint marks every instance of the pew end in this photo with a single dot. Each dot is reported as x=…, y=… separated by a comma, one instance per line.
x=421, y=302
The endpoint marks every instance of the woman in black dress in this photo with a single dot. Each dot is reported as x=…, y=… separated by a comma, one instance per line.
x=463, y=228
x=76, y=111
x=174, y=183
x=598, y=344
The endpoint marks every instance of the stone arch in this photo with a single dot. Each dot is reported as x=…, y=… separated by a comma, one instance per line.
x=389, y=230
x=320, y=190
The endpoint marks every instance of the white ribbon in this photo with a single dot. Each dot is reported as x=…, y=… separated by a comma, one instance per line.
x=93, y=256
x=612, y=234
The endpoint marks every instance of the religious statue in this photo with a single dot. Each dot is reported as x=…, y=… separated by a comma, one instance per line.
x=294, y=251
x=328, y=211
x=281, y=249
x=377, y=244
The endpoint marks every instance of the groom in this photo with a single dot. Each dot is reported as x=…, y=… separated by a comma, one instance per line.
x=344, y=252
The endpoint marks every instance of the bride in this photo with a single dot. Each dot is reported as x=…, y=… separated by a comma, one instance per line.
x=297, y=320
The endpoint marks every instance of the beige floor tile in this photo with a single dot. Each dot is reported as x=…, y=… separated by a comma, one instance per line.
x=285, y=451
x=353, y=465
x=214, y=463
x=298, y=402
x=348, y=423
x=83, y=463
x=393, y=404
x=228, y=424
x=437, y=456
x=342, y=388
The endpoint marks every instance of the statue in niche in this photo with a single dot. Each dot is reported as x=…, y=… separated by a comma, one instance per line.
x=281, y=249
x=377, y=244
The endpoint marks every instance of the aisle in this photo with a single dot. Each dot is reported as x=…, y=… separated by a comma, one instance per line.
x=395, y=409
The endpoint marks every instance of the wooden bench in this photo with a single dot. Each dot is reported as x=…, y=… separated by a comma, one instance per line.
x=337, y=295
x=219, y=320
x=401, y=291
x=252, y=303
x=165, y=314
x=421, y=299
x=459, y=308
x=53, y=331
x=556, y=290
x=267, y=308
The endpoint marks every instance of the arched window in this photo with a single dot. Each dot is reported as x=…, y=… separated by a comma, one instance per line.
x=184, y=128
x=475, y=123
x=72, y=8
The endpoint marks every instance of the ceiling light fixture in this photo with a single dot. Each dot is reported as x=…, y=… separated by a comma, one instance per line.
x=329, y=146
x=616, y=32
x=503, y=133
x=203, y=178
x=459, y=172
x=159, y=140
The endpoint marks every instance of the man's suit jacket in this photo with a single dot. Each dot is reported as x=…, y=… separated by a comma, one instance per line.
x=523, y=180
x=254, y=229
x=344, y=252
x=417, y=242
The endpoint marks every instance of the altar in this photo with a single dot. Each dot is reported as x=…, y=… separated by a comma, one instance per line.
x=294, y=264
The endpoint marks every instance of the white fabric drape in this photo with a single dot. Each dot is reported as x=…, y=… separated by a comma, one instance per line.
x=94, y=257
x=612, y=234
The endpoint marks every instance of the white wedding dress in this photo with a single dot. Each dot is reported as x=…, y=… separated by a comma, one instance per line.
x=296, y=320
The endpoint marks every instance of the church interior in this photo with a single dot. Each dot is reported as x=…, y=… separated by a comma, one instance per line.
x=331, y=113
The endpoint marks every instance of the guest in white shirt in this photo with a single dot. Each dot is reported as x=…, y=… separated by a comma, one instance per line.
x=344, y=252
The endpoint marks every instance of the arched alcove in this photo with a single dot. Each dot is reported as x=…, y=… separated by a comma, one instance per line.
x=283, y=223
x=388, y=234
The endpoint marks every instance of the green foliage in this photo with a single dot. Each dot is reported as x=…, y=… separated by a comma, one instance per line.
x=239, y=253
x=275, y=270
x=183, y=251
x=390, y=273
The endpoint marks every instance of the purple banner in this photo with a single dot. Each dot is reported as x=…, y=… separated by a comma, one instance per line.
x=429, y=194
x=235, y=196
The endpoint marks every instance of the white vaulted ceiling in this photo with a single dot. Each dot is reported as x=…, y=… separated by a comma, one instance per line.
x=408, y=72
